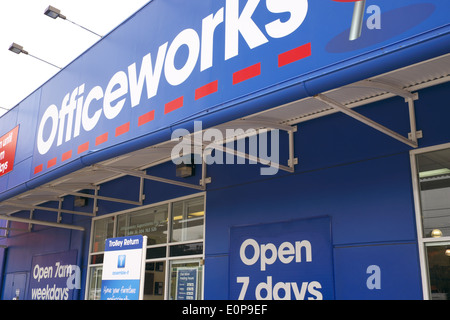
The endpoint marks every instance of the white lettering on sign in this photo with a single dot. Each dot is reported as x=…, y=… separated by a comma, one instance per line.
x=267, y=254
x=59, y=271
x=79, y=112
x=40, y=273
x=124, y=242
x=374, y=280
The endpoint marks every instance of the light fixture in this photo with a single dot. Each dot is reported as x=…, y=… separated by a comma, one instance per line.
x=436, y=233
x=447, y=252
x=432, y=173
x=19, y=49
x=184, y=170
x=79, y=202
x=54, y=13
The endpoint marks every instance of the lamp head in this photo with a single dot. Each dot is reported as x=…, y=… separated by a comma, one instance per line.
x=54, y=13
x=14, y=47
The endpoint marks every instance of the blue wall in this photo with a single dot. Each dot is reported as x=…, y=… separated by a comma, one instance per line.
x=355, y=175
x=348, y=172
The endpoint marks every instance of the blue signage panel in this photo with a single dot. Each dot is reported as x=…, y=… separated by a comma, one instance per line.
x=123, y=268
x=150, y=73
x=289, y=260
x=54, y=276
x=387, y=271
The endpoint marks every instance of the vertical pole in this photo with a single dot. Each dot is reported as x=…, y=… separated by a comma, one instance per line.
x=58, y=220
x=292, y=160
x=141, y=191
x=30, y=226
x=94, y=206
x=204, y=167
x=412, y=119
x=143, y=257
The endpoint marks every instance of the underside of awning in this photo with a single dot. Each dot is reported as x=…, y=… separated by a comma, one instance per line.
x=403, y=82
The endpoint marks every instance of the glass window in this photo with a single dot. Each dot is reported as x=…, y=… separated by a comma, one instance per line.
x=187, y=220
x=433, y=174
x=95, y=283
x=439, y=271
x=171, y=240
x=434, y=178
x=103, y=229
x=186, y=249
x=150, y=222
x=155, y=278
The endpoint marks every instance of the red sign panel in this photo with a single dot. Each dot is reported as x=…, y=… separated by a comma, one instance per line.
x=8, y=151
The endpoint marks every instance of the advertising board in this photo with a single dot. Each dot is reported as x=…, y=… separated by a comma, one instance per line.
x=289, y=260
x=219, y=53
x=54, y=276
x=124, y=268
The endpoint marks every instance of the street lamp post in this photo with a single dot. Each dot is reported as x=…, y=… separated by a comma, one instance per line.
x=54, y=13
x=19, y=49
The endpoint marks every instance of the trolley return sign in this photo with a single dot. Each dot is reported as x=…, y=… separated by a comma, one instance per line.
x=282, y=261
x=124, y=268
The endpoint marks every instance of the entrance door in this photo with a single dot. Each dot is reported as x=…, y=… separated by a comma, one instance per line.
x=14, y=287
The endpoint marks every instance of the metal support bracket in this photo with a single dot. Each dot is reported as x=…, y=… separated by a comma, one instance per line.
x=141, y=174
x=350, y=112
x=38, y=222
x=377, y=84
x=94, y=196
x=204, y=180
x=269, y=124
x=409, y=97
x=59, y=218
x=30, y=207
x=30, y=225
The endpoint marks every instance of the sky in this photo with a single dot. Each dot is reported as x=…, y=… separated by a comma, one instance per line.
x=54, y=40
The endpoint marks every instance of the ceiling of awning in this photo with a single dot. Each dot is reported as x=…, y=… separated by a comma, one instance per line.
x=403, y=82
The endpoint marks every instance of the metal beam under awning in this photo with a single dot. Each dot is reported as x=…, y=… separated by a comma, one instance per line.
x=403, y=83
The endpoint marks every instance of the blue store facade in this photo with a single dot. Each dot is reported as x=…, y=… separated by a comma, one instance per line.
x=320, y=164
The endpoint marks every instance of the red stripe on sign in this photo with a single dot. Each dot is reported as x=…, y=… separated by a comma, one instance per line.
x=122, y=129
x=173, y=105
x=51, y=163
x=147, y=117
x=83, y=147
x=38, y=168
x=206, y=90
x=101, y=139
x=247, y=73
x=67, y=155
x=294, y=55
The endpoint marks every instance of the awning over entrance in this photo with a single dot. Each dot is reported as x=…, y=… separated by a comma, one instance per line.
x=404, y=82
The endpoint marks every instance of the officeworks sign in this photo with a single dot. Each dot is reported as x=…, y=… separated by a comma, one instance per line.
x=82, y=109
x=177, y=60
x=289, y=260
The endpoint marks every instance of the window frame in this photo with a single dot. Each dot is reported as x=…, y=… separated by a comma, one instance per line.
x=422, y=240
x=167, y=258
